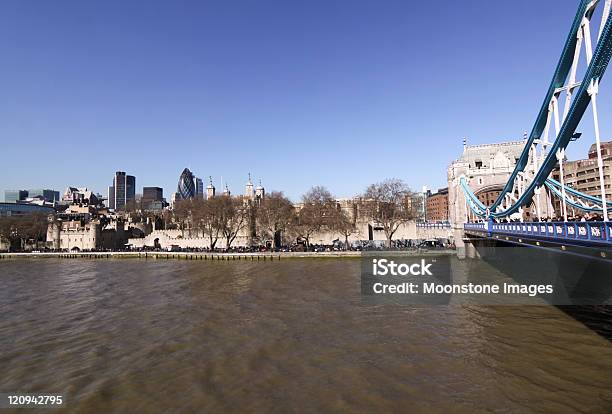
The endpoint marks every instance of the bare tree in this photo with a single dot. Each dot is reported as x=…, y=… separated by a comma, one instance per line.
x=233, y=218
x=318, y=213
x=345, y=225
x=134, y=209
x=274, y=215
x=182, y=214
x=216, y=217
x=166, y=217
x=37, y=227
x=207, y=218
x=389, y=204
x=23, y=230
x=8, y=231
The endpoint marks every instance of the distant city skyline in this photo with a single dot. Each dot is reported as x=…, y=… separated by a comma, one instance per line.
x=341, y=95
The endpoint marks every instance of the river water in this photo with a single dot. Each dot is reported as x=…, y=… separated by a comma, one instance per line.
x=133, y=336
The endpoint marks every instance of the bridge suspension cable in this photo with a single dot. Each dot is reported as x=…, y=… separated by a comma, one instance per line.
x=576, y=202
x=539, y=155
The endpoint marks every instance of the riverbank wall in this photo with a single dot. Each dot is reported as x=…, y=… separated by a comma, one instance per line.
x=262, y=256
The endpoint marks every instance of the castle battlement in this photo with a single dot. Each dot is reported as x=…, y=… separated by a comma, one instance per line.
x=497, y=144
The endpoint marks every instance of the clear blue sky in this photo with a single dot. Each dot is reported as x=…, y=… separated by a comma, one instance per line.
x=299, y=93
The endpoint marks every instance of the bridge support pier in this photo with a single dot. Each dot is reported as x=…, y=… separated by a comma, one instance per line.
x=460, y=245
x=479, y=248
x=470, y=250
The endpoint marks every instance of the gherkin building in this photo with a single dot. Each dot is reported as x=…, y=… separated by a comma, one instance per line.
x=186, y=185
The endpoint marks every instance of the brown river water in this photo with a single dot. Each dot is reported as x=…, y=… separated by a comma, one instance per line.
x=167, y=336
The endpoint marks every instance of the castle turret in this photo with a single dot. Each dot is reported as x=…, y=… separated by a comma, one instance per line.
x=248, y=189
x=210, y=190
x=260, y=192
x=53, y=232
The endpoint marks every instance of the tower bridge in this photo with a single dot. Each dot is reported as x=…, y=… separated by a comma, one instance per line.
x=506, y=193
x=486, y=168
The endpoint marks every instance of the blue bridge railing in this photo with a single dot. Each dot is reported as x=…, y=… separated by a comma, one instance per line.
x=475, y=226
x=595, y=231
x=428, y=225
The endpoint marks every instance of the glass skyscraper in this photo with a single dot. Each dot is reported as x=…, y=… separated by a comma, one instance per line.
x=199, y=188
x=48, y=195
x=186, y=185
x=151, y=197
x=130, y=188
x=152, y=194
x=12, y=196
x=111, y=196
x=124, y=188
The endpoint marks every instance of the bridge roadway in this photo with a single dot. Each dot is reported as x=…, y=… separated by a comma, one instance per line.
x=592, y=239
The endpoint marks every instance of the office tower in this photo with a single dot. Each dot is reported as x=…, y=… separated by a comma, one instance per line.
x=124, y=189
x=130, y=188
x=12, y=196
x=111, y=196
x=49, y=195
x=152, y=193
x=199, y=187
x=151, y=196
